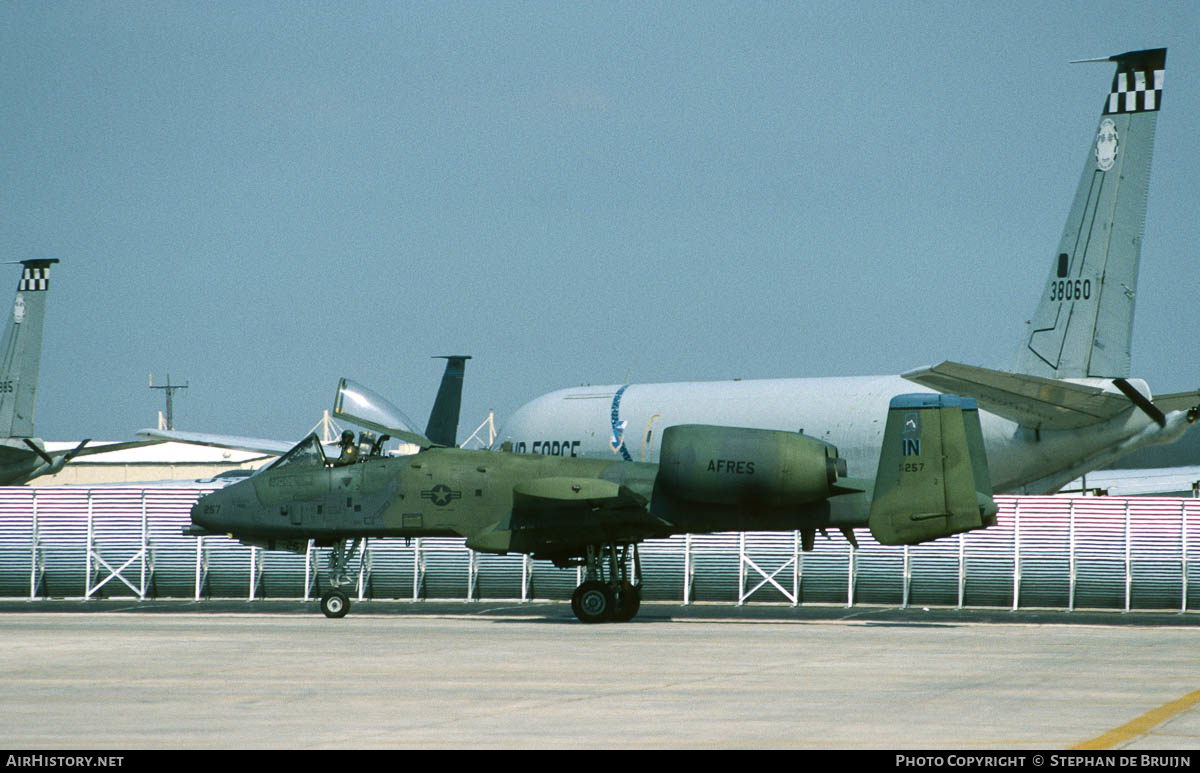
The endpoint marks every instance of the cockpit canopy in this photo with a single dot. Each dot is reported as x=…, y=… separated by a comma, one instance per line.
x=356, y=403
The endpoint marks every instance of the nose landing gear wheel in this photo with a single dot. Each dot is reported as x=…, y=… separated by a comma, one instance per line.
x=593, y=602
x=335, y=604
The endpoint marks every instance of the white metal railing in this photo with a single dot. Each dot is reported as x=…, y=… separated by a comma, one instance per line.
x=1016, y=580
x=36, y=563
x=746, y=562
x=1183, y=553
x=95, y=556
x=1044, y=552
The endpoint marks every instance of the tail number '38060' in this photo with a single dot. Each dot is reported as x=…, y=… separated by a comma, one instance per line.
x=1068, y=290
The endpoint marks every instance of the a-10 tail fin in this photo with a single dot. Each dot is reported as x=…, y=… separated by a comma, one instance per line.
x=21, y=350
x=443, y=419
x=1083, y=324
x=933, y=478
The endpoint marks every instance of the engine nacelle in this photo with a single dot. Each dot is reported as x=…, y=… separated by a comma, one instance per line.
x=739, y=466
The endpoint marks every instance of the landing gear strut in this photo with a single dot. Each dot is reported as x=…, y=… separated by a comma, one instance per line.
x=335, y=602
x=609, y=596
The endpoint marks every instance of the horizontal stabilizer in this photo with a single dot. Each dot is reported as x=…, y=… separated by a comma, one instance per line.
x=1177, y=401
x=1032, y=401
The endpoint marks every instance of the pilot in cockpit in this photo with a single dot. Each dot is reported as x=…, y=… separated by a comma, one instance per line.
x=349, y=453
x=368, y=446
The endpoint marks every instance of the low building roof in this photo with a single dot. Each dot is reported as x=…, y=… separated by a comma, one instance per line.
x=160, y=453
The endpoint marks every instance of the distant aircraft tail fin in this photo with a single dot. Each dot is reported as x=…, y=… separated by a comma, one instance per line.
x=1084, y=321
x=933, y=478
x=21, y=350
x=443, y=419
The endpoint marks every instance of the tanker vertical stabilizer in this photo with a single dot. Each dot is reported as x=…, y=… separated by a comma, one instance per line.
x=21, y=350
x=1084, y=322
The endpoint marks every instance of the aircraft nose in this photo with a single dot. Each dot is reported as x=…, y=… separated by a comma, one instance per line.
x=201, y=510
x=209, y=511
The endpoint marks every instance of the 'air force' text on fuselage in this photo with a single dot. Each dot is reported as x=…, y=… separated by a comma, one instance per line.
x=548, y=447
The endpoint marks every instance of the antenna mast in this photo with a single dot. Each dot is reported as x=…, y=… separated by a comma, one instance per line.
x=170, y=390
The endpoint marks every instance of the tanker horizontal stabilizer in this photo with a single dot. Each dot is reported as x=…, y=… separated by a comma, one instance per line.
x=1178, y=401
x=1032, y=401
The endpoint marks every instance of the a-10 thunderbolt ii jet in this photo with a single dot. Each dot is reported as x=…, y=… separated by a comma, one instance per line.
x=933, y=481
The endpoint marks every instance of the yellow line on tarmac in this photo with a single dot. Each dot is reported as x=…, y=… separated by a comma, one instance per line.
x=1142, y=724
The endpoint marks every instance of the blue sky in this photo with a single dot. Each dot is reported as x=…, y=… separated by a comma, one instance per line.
x=259, y=198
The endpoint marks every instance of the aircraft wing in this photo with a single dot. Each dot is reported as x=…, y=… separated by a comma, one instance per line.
x=1032, y=401
x=236, y=442
x=553, y=515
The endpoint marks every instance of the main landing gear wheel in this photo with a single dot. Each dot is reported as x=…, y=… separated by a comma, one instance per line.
x=629, y=601
x=614, y=594
x=593, y=602
x=335, y=604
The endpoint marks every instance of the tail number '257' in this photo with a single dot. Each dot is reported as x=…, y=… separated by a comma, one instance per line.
x=1068, y=290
